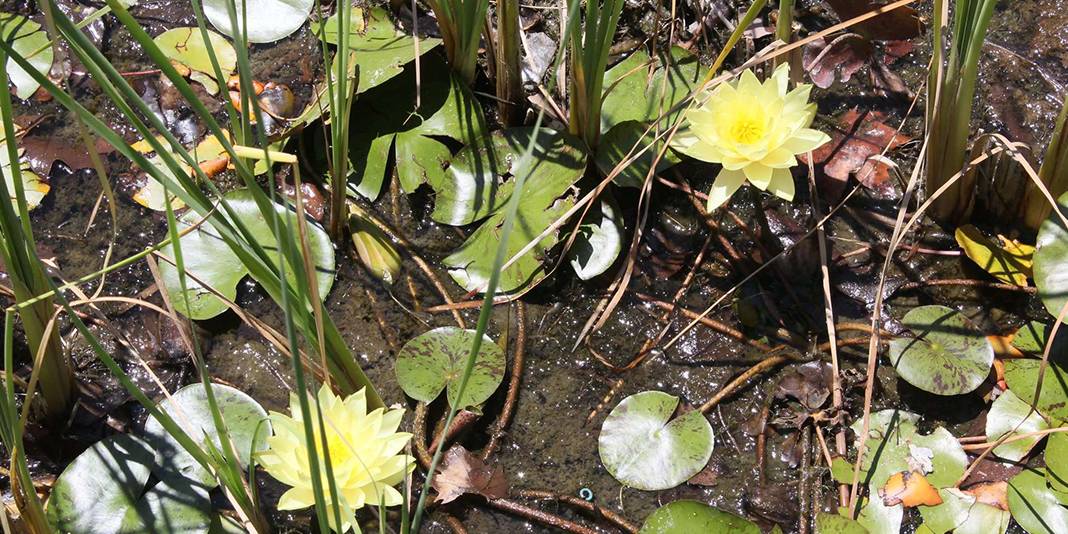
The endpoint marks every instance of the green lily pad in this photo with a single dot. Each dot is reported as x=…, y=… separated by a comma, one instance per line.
x=632, y=94
x=1034, y=506
x=103, y=491
x=31, y=42
x=1051, y=260
x=265, y=21
x=643, y=448
x=477, y=189
x=617, y=144
x=830, y=523
x=436, y=359
x=1033, y=337
x=878, y=518
x=210, y=260
x=961, y=513
x=946, y=357
x=600, y=239
x=34, y=187
x=245, y=419
x=1022, y=378
x=1010, y=414
x=895, y=445
x=328, y=29
x=188, y=47
x=1057, y=463
x=686, y=517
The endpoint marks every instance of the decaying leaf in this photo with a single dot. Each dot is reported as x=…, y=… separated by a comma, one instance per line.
x=1007, y=260
x=901, y=23
x=462, y=472
x=992, y=493
x=909, y=488
x=858, y=137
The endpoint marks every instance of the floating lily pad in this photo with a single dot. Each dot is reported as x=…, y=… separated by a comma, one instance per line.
x=619, y=142
x=245, y=420
x=436, y=359
x=1033, y=337
x=1034, y=506
x=644, y=448
x=1008, y=261
x=31, y=42
x=878, y=518
x=34, y=187
x=267, y=20
x=188, y=47
x=600, y=239
x=963, y=514
x=210, y=260
x=103, y=491
x=1057, y=464
x=476, y=189
x=895, y=445
x=1010, y=414
x=946, y=357
x=686, y=517
x=830, y=523
x=328, y=29
x=1022, y=378
x=1051, y=260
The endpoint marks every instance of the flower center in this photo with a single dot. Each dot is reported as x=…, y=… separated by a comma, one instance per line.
x=747, y=127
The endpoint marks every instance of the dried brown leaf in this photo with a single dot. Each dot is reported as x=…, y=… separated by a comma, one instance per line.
x=462, y=472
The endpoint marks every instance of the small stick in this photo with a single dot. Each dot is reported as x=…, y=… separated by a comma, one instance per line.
x=805, y=481
x=540, y=516
x=419, y=435
x=583, y=504
x=762, y=440
x=463, y=420
x=772, y=361
x=454, y=523
x=969, y=283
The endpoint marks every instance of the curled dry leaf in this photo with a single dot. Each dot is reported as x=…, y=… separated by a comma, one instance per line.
x=909, y=488
x=993, y=493
x=462, y=472
x=858, y=137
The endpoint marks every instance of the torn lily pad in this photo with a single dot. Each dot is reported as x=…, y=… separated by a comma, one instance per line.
x=962, y=513
x=1034, y=505
x=435, y=360
x=31, y=42
x=1022, y=378
x=644, y=447
x=946, y=356
x=187, y=47
x=210, y=155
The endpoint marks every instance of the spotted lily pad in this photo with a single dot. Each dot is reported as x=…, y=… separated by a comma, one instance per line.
x=245, y=420
x=947, y=357
x=267, y=20
x=1010, y=414
x=31, y=42
x=1033, y=337
x=1051, y=260
x=104, y=491
x=188, y=47
x=435, y=360
x=210, y=260
x=644, y=448
x=1022, y=378
x=686, y=517
x=1034, y=505
x=480, y=180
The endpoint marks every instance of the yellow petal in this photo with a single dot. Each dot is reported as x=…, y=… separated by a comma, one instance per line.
x=758, y=174
x=782, y=184
x=726, y=183
x=805, y=140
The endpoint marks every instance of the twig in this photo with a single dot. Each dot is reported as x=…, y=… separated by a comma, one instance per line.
x=419, y=435
x=969, y=283
x=454, y=523
x=585, y=505
x=540, y=516
x=707, y=321
x=774, y=359
x=513, y=382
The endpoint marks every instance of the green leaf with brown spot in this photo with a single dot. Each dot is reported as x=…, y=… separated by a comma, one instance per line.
x=946, y=356
x=435, y=360
x=1022, y=378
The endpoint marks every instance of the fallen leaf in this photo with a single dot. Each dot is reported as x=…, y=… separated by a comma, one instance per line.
x=858, y=137
x=909, y=488
x=462, y=472
x=993, y=493
x=1008, y=261
x=901, y=23
x=838, y=59
x=809, y=384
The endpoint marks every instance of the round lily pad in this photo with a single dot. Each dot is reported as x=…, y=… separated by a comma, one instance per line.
x=436, y=359
x=267, y=20
x=642, y=447
x=1008, y=414
x=686, y=517
x=245, y=420
x=1034, y=506
x=1051, y=260
x=1057, y=463
x=947, y=356
x=31, y=42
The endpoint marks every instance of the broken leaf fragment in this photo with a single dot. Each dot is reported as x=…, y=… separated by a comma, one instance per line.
x=211, y=157
x=910, y=489
x=462, y=472
x=187, y=47
x=1007, y=260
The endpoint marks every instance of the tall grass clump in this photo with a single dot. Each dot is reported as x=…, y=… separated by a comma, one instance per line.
x=461, y=23
x=951, y=89
x=509, y=78
x=589, y=58
x=1053, y=173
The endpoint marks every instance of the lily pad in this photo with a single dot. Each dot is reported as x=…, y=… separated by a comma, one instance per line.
x=643, y=448
x=34, y=187
x=476, y=189
x=895, y=445
x=1034, y=506
x=963, y=514
x=1009, y=414
x=1022, y=378
x=685, y=517
x=1032, y=338
x=878, y=518
x=1008, y=261
x=31, y=42
x=1051, y=260
x=617, y=144
x=830, y=523
x=245, y=420
x=1057, y=463
x=103, y=491
x=600, y=239
x=188, y=47
x=633, y=94
x=210, y=260
x=946, y=357
x=267, y=20
x=436, y=359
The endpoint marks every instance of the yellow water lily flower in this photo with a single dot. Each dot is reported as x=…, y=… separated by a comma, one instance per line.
x=364, y=455
x=754, y=130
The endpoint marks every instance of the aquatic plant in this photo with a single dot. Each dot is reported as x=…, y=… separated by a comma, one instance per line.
x=461, y=23
x=589, y=59
x=754, y=130
x=1053, y=174
x=362, y=448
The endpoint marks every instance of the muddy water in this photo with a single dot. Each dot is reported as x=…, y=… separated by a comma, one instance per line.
x=550, y=445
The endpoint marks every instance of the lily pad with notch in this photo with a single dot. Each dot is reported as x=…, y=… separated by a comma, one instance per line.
x=188, y=47
x=946, y=357
x=262, y=21
x=600, y=239
x=686, y=516
x=643, y=447
x=436, y=360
